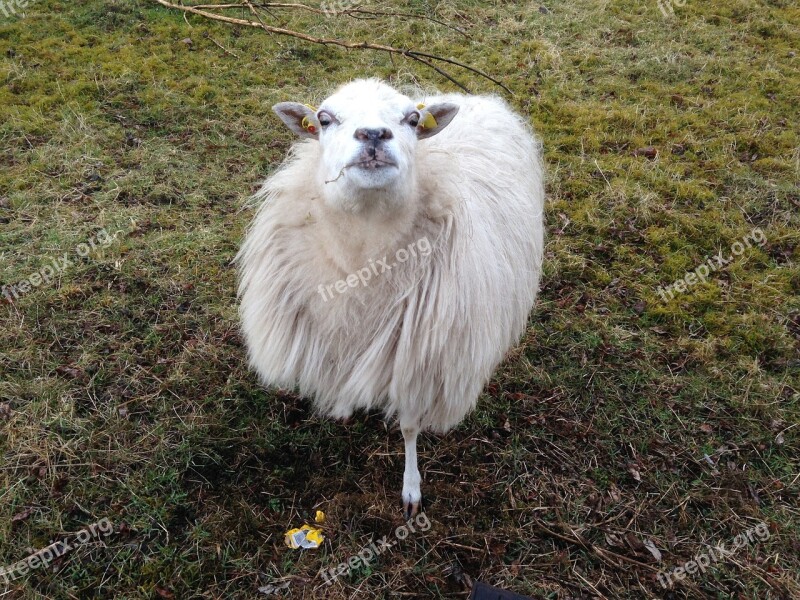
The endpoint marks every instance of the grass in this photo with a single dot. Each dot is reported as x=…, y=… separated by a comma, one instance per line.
x=620, y=420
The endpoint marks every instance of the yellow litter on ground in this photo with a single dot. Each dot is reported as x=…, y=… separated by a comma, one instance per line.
x=306, y=536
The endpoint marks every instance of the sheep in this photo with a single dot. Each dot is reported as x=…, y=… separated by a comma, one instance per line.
x=439, y=200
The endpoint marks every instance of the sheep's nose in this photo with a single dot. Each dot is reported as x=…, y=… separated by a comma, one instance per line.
x=364, y=134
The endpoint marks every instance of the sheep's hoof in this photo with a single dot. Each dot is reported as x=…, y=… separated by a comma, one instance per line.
x=411, y=509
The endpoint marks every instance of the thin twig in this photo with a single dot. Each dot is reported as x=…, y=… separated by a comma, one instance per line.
x=421, y=57
x=350, y=12
x=223, y=48
x=441, y=72
x=606, y=556
x=382, y=13
x=339, y=176
x=463, y=66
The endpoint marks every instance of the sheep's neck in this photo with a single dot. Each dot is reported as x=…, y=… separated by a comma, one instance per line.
x=352, y=239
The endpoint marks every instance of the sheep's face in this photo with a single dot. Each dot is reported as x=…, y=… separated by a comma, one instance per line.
x=368, y=134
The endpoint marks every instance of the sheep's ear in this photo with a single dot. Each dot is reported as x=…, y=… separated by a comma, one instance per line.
x=299, y=118
x=434, y=118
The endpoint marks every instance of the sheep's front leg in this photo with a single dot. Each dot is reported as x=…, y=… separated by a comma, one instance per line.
x=412, y=497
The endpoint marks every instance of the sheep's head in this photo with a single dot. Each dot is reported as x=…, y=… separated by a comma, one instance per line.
x=368, y=134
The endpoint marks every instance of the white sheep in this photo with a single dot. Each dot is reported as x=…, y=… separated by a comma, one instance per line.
x=395, y=257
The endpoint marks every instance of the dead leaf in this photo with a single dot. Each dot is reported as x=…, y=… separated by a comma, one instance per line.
x=164, y=593
x=706, y=428
x=566, y=220
x=273, y=588
x=21, y=516
x=649, y=152
x=69, y=371
x=650, y=545
x=754, y=494
x=613, y=492
x=633, y=541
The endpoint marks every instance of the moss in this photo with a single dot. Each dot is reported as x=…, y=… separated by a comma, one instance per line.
x=128, y=385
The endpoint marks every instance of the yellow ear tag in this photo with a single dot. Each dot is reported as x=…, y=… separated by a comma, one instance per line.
x=306, y=122
x=428, y=122
x=308, y=125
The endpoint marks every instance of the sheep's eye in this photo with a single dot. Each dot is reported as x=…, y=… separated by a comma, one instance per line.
x=413, y=119
x=324, y=119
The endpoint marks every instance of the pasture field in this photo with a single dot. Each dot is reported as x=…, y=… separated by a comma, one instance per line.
x=637, y=427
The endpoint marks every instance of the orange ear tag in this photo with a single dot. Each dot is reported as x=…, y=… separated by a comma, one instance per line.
x=308, y=126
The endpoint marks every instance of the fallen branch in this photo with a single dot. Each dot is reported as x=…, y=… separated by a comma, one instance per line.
x=422, y=57
x=356, y=12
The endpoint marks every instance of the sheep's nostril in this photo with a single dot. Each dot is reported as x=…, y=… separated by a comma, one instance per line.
x=364, y=134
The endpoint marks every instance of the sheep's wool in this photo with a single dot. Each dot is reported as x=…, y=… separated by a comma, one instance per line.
x=418, y=340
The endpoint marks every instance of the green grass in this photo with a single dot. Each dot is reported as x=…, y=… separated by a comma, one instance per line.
x=124, y=391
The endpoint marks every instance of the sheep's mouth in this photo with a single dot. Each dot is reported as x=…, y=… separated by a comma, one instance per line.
x=369, y=164
x=373, y=163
